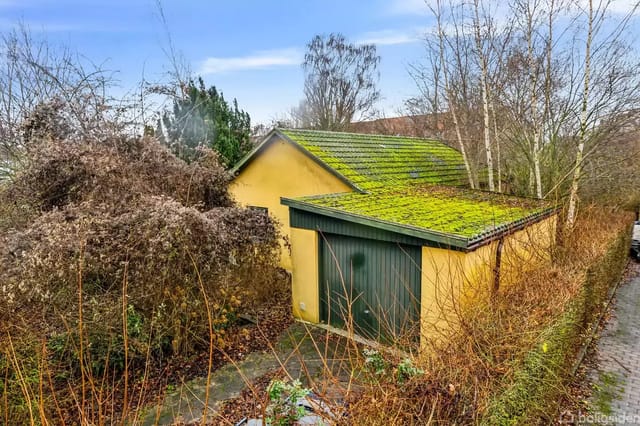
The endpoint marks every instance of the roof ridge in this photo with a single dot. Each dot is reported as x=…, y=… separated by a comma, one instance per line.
x=364, y=161
x=290, y=129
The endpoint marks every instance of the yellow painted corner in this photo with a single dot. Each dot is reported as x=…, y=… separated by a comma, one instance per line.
x=442, y=275
x=304, y=276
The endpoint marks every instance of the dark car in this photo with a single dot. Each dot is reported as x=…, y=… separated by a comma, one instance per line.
x=635, y=241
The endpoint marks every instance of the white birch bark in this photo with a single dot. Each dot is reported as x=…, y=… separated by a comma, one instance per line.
x=482, y=59
x=450, y=96
x=533, y=80
x=497, y=140
x=575, y=182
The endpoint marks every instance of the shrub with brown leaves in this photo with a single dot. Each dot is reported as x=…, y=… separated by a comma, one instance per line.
x=126, y=218
x=116, y=173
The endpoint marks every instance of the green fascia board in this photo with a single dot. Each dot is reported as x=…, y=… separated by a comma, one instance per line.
x=332, y=225
x=270, y=138
x=440, y=238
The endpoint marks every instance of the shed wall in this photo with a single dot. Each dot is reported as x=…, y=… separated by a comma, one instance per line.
x=282, y=170
x=452, y=279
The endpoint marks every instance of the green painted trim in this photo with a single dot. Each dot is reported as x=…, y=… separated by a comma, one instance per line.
x=332, y=225
x=438, y=237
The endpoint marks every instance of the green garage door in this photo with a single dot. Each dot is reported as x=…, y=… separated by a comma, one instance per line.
x=376, y=283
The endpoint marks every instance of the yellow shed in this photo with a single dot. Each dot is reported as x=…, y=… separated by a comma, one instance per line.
x=382, y=233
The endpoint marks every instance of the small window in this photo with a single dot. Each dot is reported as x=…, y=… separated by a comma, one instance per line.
x=263, y=210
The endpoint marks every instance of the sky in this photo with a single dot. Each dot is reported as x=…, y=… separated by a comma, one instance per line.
x=249, y=49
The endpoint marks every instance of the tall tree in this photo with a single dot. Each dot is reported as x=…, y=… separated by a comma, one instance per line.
x=202, y=117
x=584, y=109
x=555, y=82
x=340, y=81
x=449, y=94
x=482, y=58
x=40, y=80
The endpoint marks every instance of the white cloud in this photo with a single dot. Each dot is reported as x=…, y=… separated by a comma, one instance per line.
x=409, y=7
x=390, y=37
x=258, y=60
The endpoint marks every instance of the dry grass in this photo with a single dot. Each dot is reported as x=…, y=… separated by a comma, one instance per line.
x=458, y=383
x=478, y=359
x=477, y=362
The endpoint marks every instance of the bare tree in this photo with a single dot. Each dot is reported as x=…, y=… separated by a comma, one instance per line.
x=531, y=18
x=573, y=195
x=36, y=77
x=448, y=85
x=482, y=58
x=451, y=102
x=340, y=81
x=609, y=96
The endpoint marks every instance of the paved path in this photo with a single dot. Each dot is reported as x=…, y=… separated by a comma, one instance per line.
x=616, y=396
x=294, y=349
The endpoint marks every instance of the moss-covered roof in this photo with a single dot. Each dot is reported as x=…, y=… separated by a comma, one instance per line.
x=466, y=216
x=374, y=161
x=407, y=185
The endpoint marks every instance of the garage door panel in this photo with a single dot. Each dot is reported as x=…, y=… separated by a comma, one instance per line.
x=375, y=283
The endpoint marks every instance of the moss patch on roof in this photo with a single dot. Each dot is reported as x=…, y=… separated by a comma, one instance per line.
x=373, y=162
x=453, y=211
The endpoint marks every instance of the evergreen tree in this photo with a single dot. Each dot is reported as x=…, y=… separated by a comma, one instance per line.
x=202, y=117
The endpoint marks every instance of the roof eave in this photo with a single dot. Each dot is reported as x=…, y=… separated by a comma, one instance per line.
x=442, y=239
x=510, y=228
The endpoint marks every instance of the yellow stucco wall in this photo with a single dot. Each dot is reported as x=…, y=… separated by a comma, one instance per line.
x=452, y=279
x=282, y=170
x=305, y=293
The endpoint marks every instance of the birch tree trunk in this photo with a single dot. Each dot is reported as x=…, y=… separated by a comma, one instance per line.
x=533, y=81
x=482, y=59
x=575, y=182
x=547, y=128
x=497, y=140
x=450, y=96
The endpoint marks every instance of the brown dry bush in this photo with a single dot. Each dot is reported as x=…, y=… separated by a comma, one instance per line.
x=474, y=362
x=123, y=225
x=114, y=173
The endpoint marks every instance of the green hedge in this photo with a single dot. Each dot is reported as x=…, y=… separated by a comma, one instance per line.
x=534, y=390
